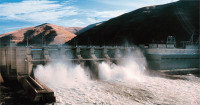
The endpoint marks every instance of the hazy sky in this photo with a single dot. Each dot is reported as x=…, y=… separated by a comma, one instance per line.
x=16, y=14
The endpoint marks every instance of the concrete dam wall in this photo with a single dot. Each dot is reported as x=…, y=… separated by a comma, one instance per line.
x=21, y=60
x=166, y=59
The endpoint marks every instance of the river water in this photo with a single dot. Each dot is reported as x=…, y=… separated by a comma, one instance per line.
x=125, y=84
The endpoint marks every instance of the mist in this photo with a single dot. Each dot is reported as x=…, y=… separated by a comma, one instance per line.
x=124, y=82
x=64, y=76
x=61, y=73
x=132, y=67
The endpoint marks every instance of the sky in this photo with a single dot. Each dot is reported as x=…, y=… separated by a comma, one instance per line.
x=16, y=14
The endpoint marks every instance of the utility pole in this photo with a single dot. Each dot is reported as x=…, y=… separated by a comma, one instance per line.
x=42, y=40
x=192, y=38
x=199, y=52
x=27, y=45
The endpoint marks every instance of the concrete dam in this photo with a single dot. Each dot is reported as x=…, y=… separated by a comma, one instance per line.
x=19, y=63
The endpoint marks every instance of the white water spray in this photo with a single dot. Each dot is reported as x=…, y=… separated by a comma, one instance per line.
x=130, y=68
x=127, y=71
x=122, y=84
x=60, y=73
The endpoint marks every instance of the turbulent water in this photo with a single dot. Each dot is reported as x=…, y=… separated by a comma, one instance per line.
x=118, y=84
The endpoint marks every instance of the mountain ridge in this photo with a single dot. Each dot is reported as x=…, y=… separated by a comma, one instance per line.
x=152, y=24
x=44, y=34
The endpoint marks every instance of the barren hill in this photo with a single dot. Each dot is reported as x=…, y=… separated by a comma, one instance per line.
x=73, y=29
x=45, y=34
x=146, y=25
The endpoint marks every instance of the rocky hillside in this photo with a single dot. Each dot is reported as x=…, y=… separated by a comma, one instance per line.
x=147, y=25
x=45, y=34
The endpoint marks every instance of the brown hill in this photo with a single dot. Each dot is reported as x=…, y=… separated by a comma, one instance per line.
x=45, y=34
x=73, y=29
x=146, y=25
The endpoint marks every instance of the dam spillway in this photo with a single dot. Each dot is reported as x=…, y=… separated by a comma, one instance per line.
x=22, y=60
x=18, y=63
